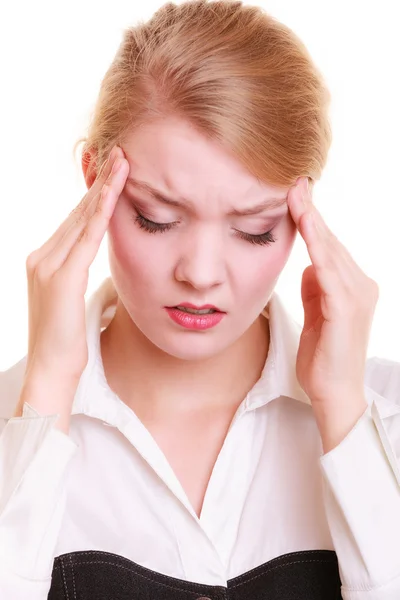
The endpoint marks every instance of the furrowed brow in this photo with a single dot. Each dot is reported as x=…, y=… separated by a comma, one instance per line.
x=269, y=204
x=156, y=194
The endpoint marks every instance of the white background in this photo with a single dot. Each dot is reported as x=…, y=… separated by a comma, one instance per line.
x=53, y=57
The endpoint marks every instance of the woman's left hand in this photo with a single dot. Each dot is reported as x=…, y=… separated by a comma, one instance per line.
x=339, y=302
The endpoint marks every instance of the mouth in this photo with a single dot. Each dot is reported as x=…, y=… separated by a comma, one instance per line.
x=194, y=311
x=206, y=309
x=190, y=316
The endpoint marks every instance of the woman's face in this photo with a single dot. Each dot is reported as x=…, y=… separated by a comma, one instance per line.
x=200, y=251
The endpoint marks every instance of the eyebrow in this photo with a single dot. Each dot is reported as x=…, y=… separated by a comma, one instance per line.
x=269, y=204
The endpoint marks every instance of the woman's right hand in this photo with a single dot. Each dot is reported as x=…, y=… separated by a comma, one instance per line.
x=58, y=274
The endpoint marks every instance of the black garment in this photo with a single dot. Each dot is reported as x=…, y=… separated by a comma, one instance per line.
x=307, y=575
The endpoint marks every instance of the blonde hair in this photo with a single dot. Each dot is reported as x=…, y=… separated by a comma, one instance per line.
x=233, y=72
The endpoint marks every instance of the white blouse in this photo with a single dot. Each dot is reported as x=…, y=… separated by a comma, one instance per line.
x=107, y=486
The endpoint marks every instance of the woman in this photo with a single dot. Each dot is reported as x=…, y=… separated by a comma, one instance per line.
x=180, y=436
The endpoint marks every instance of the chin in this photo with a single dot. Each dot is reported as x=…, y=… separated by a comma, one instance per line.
x=192, y=347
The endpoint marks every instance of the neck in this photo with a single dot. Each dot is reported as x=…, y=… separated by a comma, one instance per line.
x=154, y=383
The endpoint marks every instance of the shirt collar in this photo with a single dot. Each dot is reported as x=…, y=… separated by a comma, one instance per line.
x=278, y=377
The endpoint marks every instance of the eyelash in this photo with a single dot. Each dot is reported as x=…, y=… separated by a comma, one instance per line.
x=264, y=239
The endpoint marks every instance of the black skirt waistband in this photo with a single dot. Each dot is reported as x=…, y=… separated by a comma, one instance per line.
x=95, y=575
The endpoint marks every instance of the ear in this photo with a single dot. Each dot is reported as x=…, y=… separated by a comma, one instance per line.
x=89, y=172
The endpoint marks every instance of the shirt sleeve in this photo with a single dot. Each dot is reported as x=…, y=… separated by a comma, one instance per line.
x=34, y=456
x=362, y=500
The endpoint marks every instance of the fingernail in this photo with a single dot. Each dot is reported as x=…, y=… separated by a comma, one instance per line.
x=300, y=190
x=305, y=191
x=116, y=166
x=113, y=153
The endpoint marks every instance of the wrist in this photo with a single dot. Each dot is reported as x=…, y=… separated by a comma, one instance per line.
x=335, y=420
x=48, y=398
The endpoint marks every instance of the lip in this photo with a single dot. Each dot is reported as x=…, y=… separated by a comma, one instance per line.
x=195, y=307
x=192, y=321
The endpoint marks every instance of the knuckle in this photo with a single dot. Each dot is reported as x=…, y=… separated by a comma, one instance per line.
x=80, y=211
x=80, y=216
x=74, y=212
x=31, y=261
x=374, y=284
x=82, y=237
x=77, y=209
x=98, y=210
x=374, y=289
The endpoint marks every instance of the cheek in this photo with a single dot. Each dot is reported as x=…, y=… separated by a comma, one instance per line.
x=134, y=255
x=262, y=268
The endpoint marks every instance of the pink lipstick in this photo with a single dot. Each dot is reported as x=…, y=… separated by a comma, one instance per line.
x=195, y=317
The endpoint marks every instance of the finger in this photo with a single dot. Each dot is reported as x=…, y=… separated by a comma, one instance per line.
x=36, y=257
x=57, y=257
x=78, y=213
x=335, y=267
x=86, y=247
x=351, y=275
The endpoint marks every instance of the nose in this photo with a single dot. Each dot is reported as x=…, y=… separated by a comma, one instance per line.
x=201, y=261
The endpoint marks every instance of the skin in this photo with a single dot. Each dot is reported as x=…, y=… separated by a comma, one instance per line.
x=185, y=385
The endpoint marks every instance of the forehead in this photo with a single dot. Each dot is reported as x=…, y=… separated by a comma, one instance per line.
x=173, y=156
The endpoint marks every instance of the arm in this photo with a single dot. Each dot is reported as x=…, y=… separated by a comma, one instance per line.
x=34, y=456
x=362, y=495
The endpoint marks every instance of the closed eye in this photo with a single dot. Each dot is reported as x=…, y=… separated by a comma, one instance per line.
x=263, y=239
x=151, y=226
